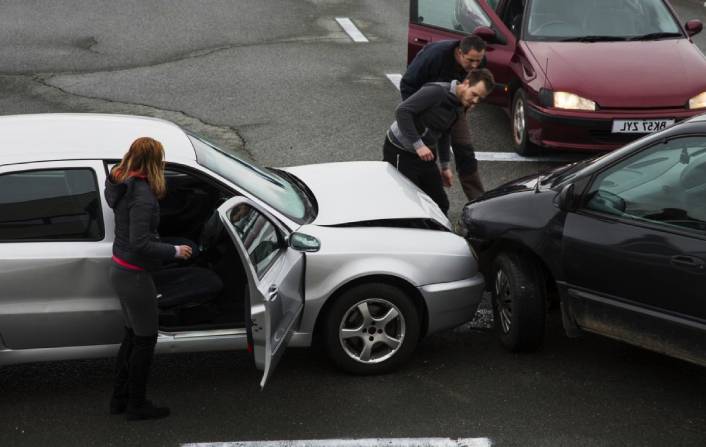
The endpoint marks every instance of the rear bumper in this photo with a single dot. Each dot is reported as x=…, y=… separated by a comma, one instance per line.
x=590, y=131
x=452, y=303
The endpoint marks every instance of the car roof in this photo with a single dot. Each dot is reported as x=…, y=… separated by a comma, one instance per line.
x=73, y=136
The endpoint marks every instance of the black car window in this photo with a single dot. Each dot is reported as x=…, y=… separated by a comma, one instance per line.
x=259, y=236
x=465, y=16
x=664, y=184
x=48, y=205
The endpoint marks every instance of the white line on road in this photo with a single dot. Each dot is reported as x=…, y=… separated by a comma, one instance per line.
x=395, y=78
x=499, y=156
x=372, y=442
x=351, y=29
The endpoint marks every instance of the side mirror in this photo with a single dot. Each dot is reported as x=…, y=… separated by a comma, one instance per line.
x=303, y=242
x=566, y=197
x=693, y=27
x=487, y=34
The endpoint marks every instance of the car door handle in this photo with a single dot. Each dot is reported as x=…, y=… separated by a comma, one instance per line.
x=272, y=293
x=420, y=40
x=688, y=261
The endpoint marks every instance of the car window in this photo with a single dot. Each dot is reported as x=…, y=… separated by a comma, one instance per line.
x=48, y=205
x=664, y=184
x=259, y=236
x=462, y=15
x=570, y=19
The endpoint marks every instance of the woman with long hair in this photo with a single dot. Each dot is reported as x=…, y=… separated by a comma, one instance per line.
x=132, y=189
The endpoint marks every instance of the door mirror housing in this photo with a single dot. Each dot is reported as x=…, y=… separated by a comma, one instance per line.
x=693, y=27
x=304, y=242
x=565, y=199
x=486, y=33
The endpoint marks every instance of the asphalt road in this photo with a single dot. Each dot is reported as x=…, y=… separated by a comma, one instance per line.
x=279, y=82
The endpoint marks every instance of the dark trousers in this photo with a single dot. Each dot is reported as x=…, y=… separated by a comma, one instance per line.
x=424, y=174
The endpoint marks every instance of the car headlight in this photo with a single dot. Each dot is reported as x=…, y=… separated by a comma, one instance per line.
x=698, y=101
x=564, y=100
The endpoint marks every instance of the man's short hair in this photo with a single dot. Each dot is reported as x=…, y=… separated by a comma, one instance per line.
x=471, y=42
x=481, y=75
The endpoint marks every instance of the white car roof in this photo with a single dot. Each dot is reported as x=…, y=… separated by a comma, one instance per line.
x=72, y=136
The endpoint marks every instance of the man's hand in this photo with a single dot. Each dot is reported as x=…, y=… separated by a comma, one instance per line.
x=184, y=252
x=425, y=153
x=447, y=177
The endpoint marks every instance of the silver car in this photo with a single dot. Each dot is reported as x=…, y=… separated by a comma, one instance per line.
x=351, y=255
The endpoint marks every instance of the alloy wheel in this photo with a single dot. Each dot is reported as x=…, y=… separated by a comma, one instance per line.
x=518, y=122
x=372, y=330
x=503, y=300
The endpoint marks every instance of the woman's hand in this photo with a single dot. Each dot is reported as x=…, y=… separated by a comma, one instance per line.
x=183, y=251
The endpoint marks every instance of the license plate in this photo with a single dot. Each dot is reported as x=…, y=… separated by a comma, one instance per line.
x=640, y=126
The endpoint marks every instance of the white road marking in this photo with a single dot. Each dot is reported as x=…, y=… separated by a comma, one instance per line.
x=372, y=442
x=395, y=78
x=501, y=156
x=351, y=29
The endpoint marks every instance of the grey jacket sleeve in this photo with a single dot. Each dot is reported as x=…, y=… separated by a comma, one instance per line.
x=427, y=97
x=142, y=240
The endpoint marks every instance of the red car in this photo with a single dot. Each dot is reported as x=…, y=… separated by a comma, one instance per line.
x=577, y=74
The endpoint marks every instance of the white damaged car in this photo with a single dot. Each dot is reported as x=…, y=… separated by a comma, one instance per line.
x=349, y=254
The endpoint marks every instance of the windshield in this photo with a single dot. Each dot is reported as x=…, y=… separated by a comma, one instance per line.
x=279, y=192
x=593, y=20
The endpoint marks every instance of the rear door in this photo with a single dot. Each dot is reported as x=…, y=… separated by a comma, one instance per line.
x=275, y=275
x=434, y=20
x=56, y=237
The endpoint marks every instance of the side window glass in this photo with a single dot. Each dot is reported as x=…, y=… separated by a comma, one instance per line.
x=49, y=205
x=462, y=15
x=259, y=236
x=665, y=184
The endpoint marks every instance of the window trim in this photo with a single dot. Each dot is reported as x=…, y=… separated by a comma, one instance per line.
x=101, y=222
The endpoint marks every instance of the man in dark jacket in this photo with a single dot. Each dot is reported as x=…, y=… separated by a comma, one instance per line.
x=421, y=132
x=445, y=61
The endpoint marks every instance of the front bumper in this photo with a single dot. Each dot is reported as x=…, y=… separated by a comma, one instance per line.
x=452, y=303
x=590, y=131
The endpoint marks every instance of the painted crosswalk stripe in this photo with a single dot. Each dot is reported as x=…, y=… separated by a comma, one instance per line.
x=371, y=442
x=351, y=29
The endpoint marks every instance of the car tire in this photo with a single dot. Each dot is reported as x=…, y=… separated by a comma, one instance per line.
x=519, y=302
x=518, y=122
x=366, y=346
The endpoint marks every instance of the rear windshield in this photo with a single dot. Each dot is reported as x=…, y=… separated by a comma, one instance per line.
x=558, y=20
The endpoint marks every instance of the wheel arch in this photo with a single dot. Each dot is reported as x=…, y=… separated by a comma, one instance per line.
x=392, y=280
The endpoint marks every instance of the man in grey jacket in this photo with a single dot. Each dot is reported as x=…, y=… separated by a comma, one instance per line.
x=422, y=129
x=445, y=61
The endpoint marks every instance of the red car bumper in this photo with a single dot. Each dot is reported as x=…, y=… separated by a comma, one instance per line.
x=590, y=131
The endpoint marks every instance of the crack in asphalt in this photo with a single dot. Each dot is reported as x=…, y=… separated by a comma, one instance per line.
x=39, y=85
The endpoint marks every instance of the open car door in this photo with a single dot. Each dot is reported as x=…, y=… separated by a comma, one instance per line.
x=275, y=274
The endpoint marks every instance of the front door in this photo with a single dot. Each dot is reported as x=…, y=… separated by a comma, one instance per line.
x=635, y=253
x=275, y=275
x=434, y=20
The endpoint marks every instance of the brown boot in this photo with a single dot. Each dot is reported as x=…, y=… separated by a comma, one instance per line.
x=471, y=184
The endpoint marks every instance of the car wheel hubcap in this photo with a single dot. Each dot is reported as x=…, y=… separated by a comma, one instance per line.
x=372, y=331
x=518, y=120
x=503, y=300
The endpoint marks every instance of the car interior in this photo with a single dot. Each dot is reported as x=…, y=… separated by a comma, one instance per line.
x=209, y=290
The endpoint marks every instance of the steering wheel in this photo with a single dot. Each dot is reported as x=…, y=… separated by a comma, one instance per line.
x=549, y=23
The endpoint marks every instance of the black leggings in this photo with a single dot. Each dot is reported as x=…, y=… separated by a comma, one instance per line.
x=424, y=174
x=138, y=298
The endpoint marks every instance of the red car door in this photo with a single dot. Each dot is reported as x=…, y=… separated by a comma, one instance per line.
x=431, y=20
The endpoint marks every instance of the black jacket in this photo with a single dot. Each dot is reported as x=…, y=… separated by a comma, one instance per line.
x=434, y=63
x=136, y=221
